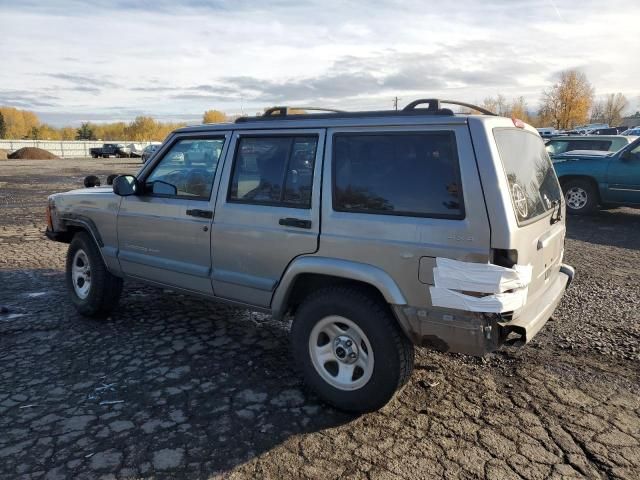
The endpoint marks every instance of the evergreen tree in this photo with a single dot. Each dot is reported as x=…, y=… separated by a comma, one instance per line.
x=85, y=132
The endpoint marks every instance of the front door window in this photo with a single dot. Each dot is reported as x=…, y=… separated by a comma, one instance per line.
x=187, y=169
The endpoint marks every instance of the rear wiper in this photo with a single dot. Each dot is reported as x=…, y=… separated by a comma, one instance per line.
x=556, y=215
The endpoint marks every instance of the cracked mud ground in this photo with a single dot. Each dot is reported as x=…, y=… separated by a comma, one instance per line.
x=172, y=387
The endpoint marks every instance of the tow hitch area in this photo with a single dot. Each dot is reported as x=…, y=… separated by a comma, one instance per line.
x=569, y=271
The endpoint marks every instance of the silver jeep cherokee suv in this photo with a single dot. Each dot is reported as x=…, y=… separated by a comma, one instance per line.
x=374, y=230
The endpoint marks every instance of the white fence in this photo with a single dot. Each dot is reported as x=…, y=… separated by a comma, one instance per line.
x=63, y=149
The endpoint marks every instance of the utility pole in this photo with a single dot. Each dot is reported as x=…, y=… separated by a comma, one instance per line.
x=395, y=103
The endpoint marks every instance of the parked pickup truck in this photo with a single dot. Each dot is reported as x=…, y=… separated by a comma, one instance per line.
x=592, y=178
x=110, y=150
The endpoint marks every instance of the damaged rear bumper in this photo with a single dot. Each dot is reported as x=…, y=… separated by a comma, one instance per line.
x=534, y=316
x=478, y=333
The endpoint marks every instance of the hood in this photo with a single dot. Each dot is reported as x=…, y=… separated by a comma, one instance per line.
x=84, y=191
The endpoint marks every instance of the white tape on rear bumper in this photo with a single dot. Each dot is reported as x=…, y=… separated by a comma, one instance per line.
x=507, y=286
x=496, y=303
x=479, y=277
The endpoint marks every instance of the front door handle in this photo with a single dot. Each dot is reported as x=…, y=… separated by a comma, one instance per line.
x=295, y=222
x=200, y=213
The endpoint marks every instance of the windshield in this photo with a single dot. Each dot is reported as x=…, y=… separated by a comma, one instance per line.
x=533, y=185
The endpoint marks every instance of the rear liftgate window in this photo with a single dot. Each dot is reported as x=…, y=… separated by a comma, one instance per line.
x=533, y=184
x=410, y=174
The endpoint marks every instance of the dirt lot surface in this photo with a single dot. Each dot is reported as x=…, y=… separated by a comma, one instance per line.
x=171, y=387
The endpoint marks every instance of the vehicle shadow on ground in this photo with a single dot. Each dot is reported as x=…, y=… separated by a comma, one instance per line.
x=618, y=228
x=166, y=385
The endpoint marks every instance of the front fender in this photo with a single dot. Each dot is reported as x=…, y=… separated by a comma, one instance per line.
x=362, y=272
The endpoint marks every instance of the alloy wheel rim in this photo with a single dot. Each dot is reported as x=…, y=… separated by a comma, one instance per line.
x=341, y=353
x=576, y=198
x=81, y=274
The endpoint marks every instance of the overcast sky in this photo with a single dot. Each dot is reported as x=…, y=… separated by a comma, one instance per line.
x=74, y=60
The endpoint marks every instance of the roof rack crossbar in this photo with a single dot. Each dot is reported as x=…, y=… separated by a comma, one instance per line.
x=281, y=111
x=434, y=105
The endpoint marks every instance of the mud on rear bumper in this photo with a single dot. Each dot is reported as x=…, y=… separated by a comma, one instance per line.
x=477, y=334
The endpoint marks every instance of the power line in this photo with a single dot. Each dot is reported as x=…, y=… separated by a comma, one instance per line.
x=395, y=102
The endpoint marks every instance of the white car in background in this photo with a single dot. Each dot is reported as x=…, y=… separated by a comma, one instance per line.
x=135, y=149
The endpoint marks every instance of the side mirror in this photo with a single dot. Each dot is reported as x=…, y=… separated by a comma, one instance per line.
x=126, y=185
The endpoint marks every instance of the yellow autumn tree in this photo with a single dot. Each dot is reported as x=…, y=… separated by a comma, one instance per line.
x=19, y=123
x=142, y=129
x=518, y=109
x=214, y=116
x=567, y=103
x=111, y=131
x=68, y=133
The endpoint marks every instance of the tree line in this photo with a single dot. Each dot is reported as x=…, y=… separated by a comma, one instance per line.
x=566, y=104
x=23, y=124
x=569, y=102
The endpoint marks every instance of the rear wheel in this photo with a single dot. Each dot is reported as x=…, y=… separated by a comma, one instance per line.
x=350, y=349
x=93, y=290
x=580, y=196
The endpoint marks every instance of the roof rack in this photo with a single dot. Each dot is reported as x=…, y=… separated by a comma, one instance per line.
x=433, y=108
x=281, y=111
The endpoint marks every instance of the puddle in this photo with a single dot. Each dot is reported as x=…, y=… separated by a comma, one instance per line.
x=35, y=294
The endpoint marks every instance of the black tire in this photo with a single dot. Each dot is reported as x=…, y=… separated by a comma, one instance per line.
x=393, y=352
x=104, y=288
x=579, y=188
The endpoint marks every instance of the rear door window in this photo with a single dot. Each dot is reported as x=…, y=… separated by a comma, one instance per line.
x=533, y=184
x=410, y=174
x=274, y=170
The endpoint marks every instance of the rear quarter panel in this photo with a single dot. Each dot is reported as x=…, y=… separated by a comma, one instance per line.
x=402, y=246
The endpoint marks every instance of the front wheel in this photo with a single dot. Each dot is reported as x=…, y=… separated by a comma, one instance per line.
x=93, y=290
x=580, y=196
x=350, y=348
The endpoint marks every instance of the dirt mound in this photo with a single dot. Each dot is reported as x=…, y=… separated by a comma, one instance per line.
x=3, y=154
x=32, y=153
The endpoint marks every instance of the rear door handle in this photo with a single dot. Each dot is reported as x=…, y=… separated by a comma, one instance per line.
x=295, y=222
x=200, y=213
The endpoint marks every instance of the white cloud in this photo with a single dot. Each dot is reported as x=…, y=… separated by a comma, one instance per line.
x=172, y=59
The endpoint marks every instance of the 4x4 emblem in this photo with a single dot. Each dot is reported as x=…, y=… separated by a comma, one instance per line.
x=520, y=200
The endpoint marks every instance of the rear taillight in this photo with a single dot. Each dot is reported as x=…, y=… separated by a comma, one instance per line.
x=517, y=122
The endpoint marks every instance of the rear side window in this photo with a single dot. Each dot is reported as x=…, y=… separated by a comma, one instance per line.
x=533, y=184
x=410, y=174
x=274, y=171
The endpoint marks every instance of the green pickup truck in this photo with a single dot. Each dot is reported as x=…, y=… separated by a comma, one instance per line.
x=593, y=178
